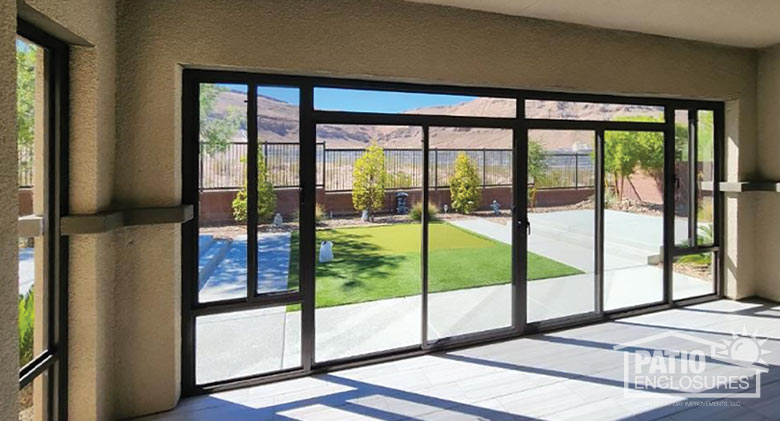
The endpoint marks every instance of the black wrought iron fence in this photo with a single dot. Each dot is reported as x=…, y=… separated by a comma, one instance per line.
x=227, y=169
x=26, y=165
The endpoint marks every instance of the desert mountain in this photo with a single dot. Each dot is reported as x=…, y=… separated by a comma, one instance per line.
x=278, y=122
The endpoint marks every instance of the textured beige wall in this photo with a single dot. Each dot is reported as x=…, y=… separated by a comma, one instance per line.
x=92, y=137
x=129, y=282
x=377, y=39
x=768, y=208
x=9, y=283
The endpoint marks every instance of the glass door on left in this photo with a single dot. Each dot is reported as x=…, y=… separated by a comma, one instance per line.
x=32, y=191
x=248, y=231
x=41, y=63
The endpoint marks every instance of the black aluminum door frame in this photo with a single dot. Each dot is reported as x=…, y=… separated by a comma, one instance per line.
x=309, y=119
x=57, y=204
x=693, y=246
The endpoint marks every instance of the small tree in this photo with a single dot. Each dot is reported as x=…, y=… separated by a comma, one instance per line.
x=25, y=93
x=369, y=179
x=26, y=55
x=216, y=130
x=621, y=156
x=266, y=196
x=465, y=187
x=537, y=166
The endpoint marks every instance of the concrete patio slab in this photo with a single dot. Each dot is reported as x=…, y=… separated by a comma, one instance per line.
x=228, y=278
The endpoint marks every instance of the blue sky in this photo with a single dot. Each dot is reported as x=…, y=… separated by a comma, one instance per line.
x=359, y=100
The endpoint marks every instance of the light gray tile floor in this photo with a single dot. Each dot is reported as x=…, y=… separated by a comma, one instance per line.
x=570, y=374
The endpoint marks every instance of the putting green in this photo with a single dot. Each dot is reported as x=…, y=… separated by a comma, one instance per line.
x=379, y=262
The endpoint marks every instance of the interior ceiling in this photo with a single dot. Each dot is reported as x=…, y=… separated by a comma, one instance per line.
x=740, y=23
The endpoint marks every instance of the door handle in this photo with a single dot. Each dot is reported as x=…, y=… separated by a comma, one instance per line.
x=527, y=226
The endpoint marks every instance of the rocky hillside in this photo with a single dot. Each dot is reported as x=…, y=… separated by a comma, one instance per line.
x=278, y=122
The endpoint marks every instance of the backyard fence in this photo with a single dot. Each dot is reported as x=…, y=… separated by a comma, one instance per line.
x=26, y=165
x=226, y=169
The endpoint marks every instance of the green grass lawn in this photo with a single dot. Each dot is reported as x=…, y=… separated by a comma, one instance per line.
x=372, y=263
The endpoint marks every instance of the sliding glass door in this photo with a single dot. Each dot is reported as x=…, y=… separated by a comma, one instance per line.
x=633, y=218
x=368, y=240
x=248, y=233
x=340, y=221
x=696, y=251
x=561, y=257
x=470, y=201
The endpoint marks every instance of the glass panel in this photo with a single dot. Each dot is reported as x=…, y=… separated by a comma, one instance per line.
x=246, y=343
x=561, y=245
x=633, y=219
x=571, y=110
x=682, y=157
x=705, y=175
x=694, y=275
x=31, y=140
x=393, y=102
x=278, y=172
x=469, y=239
x=222, y=239
x=368, y=240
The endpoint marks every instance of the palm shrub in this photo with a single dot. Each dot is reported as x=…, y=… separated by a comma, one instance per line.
x=369, y=179
x=266, y=196
x=26, y=327
x=415, y=214
x=465, y=186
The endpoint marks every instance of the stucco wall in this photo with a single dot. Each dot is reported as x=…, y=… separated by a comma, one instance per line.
x=385, y=40
x=9, y=342
x=91, y=23
x=126, y=286
x=768, y=207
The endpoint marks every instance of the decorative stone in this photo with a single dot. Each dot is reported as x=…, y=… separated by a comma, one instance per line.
x=278, y=220
x=446, y=208
x=364, y=216
x=326, y=251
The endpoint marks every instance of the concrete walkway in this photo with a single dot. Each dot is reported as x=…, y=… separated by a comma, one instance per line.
x=631, y=278
x=228, y=279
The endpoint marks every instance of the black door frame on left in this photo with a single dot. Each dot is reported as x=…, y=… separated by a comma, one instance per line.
x=54, y=359
x=310, y=118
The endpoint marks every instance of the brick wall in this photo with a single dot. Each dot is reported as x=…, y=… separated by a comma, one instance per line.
x=215, y=205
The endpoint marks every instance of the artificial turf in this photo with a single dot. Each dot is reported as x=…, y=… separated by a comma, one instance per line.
x=373, y=263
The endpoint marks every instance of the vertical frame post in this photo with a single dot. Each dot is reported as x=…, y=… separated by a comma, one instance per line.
x=251, y=183
x=424, y=246
x=308, y=198
x=599, y=224
x=190, y=157
x=520, y=217
x=669, y=169
x=717, y=198
x=693, y=163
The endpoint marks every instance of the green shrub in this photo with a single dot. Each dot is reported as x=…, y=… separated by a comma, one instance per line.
x=537, y=161
x=26, y=327
x=369, y=179
x=465, y=186
x=415, y=214
x=266, y=196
